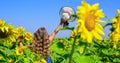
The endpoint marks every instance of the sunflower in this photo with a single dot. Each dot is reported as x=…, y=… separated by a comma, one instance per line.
x=1, y=57
x=10, y=61
x=88, y=21
x=73, y=33
x=23, y=35
x=28, y=36
x=7, y=35
x=19, y=50
x=2, y=22
x=115, y=34
x=20, y=30
x=40, y=61
x=3, y=26
x=81, y=50
x=115, y=37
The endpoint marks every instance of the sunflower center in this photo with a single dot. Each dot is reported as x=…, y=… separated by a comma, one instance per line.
x=4, y=34
x=90, y=21
x=20, y=51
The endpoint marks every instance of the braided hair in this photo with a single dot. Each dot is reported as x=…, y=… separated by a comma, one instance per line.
x=41, y=42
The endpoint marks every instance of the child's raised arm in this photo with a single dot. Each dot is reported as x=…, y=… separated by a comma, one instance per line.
x=52, y=36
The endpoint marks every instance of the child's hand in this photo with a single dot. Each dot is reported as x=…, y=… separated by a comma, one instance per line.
x=65, y=17
x=62, y=21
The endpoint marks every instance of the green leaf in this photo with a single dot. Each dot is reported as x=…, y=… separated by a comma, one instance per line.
x=74, y=16
x=2, y=55
x=86, y=59
x=26, y=60
x=56, y=47
x=27, y=52
x=32, y=56
x=76, y=57
x=68, y=28
x=9, y=52
x=2, y=61
x=20, y=57
x=105, y=51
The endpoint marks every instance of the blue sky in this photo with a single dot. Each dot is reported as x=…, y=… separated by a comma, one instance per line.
x=33, y=14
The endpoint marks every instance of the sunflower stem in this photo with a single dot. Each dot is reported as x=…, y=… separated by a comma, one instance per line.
x=72, y=51
x=85, y=48
x=107, y=24
x=68, y=28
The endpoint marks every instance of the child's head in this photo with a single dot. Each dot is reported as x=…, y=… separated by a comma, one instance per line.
x=41, y=42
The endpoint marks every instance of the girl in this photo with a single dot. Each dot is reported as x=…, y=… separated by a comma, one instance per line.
x=42, y=40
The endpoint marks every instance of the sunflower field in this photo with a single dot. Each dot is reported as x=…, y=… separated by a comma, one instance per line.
x=85, y=44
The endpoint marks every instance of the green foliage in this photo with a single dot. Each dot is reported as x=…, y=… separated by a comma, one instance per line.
x=10, y=39
x=60, y=50
x=68, y=28
x=97, y=52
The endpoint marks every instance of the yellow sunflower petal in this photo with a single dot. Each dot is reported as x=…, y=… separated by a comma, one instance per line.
x=80, y=20
x=99, y=13
x=99, y=26
x=6, y=28
x=79, y=29
x=101, y=21
x=89, y=38
x=86, y=5
x=82, y=10
x=43, y=61
x=118, y=11
x=114, y=26
x=73, y=33
x=2, y=22
x=2, y=29
x=114, y=20
x=95, y=6
x=83, y=36
x=99, y=31
x=117, y=29
x=97, y=36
